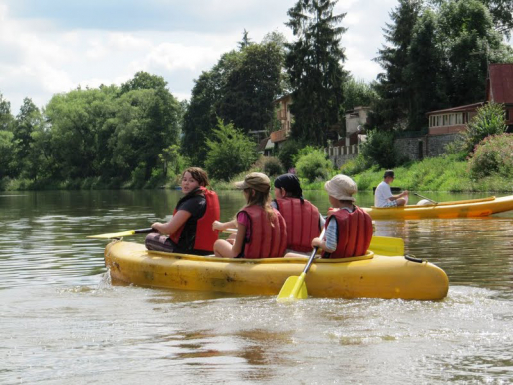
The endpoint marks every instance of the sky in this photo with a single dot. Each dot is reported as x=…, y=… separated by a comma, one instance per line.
x=49, y=47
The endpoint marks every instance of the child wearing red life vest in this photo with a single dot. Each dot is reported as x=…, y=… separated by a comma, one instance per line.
x=261, y=230
x=348, y=228
x=302, y=218
x=190, y=229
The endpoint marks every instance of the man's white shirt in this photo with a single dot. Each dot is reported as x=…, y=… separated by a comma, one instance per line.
x=381, y=195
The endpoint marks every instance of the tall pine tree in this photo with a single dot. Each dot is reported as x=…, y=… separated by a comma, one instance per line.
x=393, y=85
x=314, y=64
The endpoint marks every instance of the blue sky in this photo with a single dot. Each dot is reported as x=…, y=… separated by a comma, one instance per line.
x=49, y=47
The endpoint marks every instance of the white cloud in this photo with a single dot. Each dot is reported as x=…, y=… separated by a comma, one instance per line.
x=40, y=56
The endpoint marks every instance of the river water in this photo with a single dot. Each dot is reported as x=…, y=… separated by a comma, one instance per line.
x=63, y=322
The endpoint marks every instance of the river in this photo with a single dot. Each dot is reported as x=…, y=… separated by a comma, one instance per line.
x=63, y=322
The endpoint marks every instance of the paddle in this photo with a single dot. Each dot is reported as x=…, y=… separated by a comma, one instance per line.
x=423, y=197
x=387, y=245
x=121, y=234
x=140, y=231
x=295, y=287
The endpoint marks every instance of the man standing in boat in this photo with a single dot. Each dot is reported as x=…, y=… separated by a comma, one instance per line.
x=383, y=196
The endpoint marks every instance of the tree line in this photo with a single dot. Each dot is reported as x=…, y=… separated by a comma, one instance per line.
x=138, y=134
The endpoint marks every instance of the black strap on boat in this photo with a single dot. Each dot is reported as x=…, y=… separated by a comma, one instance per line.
x=413, y=259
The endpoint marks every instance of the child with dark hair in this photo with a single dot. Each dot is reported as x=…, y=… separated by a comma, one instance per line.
x=302, y=218
x=190, y=229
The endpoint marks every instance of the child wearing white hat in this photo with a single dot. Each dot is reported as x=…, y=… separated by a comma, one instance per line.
x=348, y=228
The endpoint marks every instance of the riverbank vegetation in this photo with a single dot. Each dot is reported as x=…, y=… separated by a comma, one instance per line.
x=138, y=135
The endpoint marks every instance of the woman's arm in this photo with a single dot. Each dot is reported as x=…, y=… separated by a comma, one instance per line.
x=220, y=226
x=239, y=240
x=174, y=224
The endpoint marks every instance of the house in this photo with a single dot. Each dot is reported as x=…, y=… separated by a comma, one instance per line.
x=499, y=89
x=444, y=125
x=285, y=118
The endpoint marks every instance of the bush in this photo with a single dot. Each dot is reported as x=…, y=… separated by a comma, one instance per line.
x=272, y=166
x=490, y=120
x=379, y=148
x=312, y=164
x=138, y=176
x=355, y=165
x=288, y=152
x=494, y=155
x=231, y=152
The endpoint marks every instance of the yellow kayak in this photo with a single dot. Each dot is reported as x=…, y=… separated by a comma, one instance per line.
x=371, y=275
x=471, y=208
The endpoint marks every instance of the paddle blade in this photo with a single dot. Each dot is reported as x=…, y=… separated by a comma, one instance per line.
x=293, y=288
x=112, y=235
x=387, y=245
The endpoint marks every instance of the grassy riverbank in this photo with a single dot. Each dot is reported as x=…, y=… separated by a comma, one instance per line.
x=444, y=173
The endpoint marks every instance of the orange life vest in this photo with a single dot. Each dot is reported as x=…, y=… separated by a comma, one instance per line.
x=302, y=221
x=266, y=240
x=354, y=233
x=204, y=237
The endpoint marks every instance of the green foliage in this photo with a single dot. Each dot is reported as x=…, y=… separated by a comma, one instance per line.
x=252, y=86
x=173, y=161
x=379, y=148
x=443, y=173
x=490, y=120
x=494, y=155
x=27, y=121
x=240, y=88
x=425, y=71
x=230, y=152
x=357, y=93
x=6, y=153
x=355, y=165
x=314, y=67
x=6, y=118
x=272, y=166
x=312, y=164
x=138, y=176
x=288, y=151
x=393, y=86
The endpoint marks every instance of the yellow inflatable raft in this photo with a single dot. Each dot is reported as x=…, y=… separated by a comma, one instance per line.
x=371, y=275
x=457, y=209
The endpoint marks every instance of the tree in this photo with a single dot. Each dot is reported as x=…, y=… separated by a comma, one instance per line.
x=27, y=121
x=6, y=118
x=6, y=154
x=240, y=88
x=251, y=87
x=393, y=87
x=489, y=120
x=500, y=10
x=201, y=116
x=230, y=152
x=246, y=41
x=466, y=29
x=425, y=72
x=313, y=63
x=77, y=123
x=143, y=127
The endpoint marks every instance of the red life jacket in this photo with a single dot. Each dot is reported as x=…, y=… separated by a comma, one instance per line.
x=302, y=221
x=204, y=236
x=354, y=233
x=266, y=241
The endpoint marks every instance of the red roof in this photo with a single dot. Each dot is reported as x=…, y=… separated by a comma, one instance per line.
x=499, y=87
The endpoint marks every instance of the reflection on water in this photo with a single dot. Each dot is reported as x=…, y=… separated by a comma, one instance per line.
x=63, y=322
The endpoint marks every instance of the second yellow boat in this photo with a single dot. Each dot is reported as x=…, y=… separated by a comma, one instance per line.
x=471, y=208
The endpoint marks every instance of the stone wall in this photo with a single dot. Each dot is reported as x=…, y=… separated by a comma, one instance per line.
x=422, y=146
x=413, y=148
